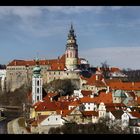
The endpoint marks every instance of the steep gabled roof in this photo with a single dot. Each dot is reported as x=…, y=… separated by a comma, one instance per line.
x=117, y=114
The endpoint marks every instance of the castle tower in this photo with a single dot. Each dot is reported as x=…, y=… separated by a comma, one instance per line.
x=71, y=53
x=36, y=83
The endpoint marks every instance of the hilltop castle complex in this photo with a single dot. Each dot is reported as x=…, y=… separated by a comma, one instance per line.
x=68, y=66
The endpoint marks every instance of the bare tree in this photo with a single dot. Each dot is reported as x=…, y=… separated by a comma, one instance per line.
x=105, y=69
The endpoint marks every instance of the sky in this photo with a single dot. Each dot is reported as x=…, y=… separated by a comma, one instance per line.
x=104, y=33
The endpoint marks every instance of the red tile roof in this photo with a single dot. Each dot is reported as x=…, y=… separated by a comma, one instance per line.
x=92, y=80
x=64, y=112
x=63, y=105
x=103, y=97
x=135, y=114
x=114, y=69
x=89, y=113
x=128, y=86
x=112, y=106
x=56, y=64
x=74, y=103
x=89, y=100
x=86, y=93
x=45, y=106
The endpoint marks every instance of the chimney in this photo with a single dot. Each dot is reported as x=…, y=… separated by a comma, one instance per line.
x=91, y=96
x=107, y=89
x=96, y=77
x=133, y=83
x=15, y=62
x=67, y=97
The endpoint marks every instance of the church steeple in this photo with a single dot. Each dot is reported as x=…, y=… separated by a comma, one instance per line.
x=36, y=83
x=71, y=50
x=71, y=37
x=71, y=32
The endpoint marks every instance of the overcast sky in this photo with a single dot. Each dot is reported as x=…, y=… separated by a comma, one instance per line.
x=104, y=33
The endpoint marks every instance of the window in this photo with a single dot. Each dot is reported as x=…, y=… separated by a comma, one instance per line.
x=37, y=98
x=38, y=83
x=37, y=90
x=70, y=54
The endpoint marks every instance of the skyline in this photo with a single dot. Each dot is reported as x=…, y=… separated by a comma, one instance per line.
x=104, y=33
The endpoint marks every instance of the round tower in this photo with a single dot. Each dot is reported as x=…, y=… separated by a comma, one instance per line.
x=71, y=53
x=36, y=83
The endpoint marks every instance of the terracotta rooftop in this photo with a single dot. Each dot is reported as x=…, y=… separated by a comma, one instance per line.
x=135, y=114
x=128, y=86
x=44, y=106
x=86, y=92
x=89, y=113
x=103, y=97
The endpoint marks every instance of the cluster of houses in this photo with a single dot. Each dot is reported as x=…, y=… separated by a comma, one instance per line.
x=97, y=98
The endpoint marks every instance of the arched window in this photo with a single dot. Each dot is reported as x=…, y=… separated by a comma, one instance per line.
x=37, y=82
x=37, y=90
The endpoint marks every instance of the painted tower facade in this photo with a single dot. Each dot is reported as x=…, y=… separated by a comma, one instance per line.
x=71, y=53
x=36, y=83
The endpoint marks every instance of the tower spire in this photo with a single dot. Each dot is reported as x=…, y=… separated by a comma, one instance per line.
x=71, y=27
x=71, y=50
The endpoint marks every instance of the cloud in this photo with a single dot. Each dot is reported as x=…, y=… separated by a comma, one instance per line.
x=43, y=21
x=116, y=7
x=123, y=57
x=32, y=11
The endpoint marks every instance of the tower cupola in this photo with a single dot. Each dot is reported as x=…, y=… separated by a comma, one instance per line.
x=36, y=69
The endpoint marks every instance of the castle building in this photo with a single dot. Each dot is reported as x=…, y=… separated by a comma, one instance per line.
x=19, y=72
